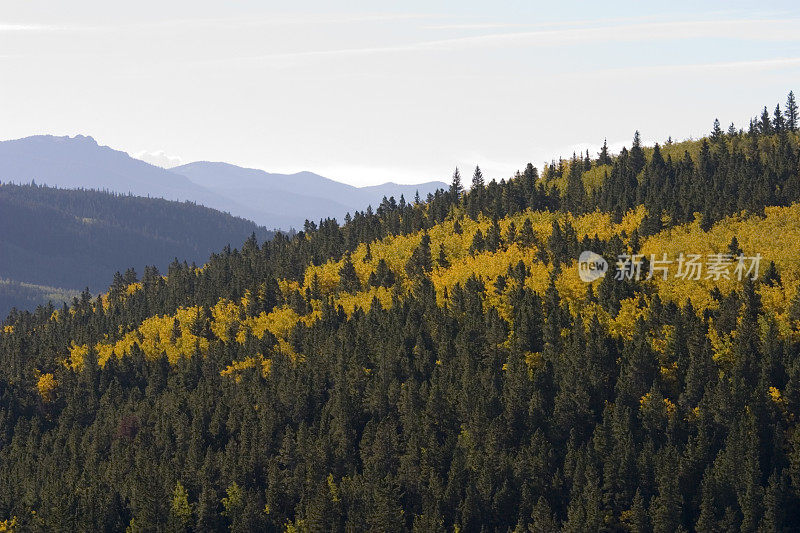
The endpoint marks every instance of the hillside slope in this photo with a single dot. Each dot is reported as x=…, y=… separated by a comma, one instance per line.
x=441, y=366
x=76, y=238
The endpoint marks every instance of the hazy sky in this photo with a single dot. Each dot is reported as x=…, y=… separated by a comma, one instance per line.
x=367, y=92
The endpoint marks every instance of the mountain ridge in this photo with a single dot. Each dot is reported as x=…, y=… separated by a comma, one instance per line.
x=68, y=239
x=270, y=199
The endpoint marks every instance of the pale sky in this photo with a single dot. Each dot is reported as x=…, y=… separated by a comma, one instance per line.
x=368, y=92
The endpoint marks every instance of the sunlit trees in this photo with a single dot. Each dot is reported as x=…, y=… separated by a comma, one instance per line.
x=438, y=365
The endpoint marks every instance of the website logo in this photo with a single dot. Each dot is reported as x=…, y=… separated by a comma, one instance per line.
x=591, y=266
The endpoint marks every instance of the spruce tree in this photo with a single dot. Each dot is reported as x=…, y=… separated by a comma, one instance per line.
x=477, y=179
x=575, y=194
x=604, y=158
x=456, y=188
x=348, y=279
x=716, y=131
x=765, y=124
x=791, y=112
x=637, y=158
x=778, y=123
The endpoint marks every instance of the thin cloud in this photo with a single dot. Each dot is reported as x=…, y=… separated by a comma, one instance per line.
x=224, y=22
x=754, y=30
x=261, y=21
x=756, y=64
x=476, y=26
x=158, y=158
x=760, y=64
x=27, y=28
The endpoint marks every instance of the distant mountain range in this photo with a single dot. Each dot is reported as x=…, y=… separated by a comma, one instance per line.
x=272, y=200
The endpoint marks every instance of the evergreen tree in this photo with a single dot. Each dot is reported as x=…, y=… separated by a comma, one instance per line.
x=791, y=112
x=778, y=123
x=716, y=131
x=420, y=262
x=348, y=279
x=478, y=243
x=442, y=259
x=455, y=186
x=477, y=179
x=575, y=194
x=765, y=124
x=604, y=158
x=637, y=157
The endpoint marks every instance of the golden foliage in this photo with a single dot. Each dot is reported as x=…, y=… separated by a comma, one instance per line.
x=226, y=316
x=773, y=235
x=665, y=407
x=775, y=396
x=669, y=407
x=155, y=336
x=722, y=347
x=9, y=525
x=363, y=299
x=630, y=312
x=132, y=288
x=158, y=335
x=236, y=367
x=77, y=352
x=533, y=360
x=661, y=340
x=46, y=385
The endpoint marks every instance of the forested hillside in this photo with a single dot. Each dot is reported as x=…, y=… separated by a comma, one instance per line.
x=440, y=365
x=74, y=239
x=15, y=294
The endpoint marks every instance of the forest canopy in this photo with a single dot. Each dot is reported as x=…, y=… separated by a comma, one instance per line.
x=437, y=364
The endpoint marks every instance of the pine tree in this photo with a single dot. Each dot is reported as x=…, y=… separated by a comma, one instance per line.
x=348, y=279
x=542, y=519
x=604, y=158
x=575, y=194
x=774, y=503
x=778, y=123
x=207, y=509
x=455, y=186
x=733, y=248
x=666, y=506
x=478, y=244
x=526, y=238
x=420, y=262
x=442, y=259
x=791, y=112
x=477, y=179
x=765, y=124
x=771, y=276
x=716, y=131
x=706, y=520
x=493, y=237
x=637, y=158
x=639, y=521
